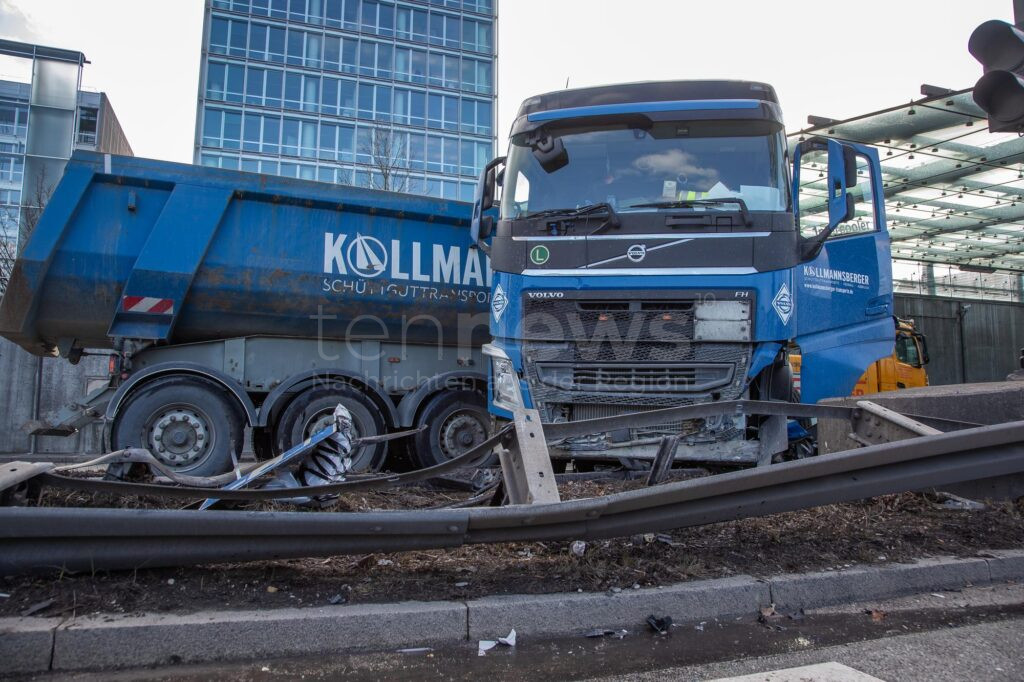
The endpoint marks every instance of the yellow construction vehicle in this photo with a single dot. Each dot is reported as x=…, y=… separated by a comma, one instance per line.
x=903, y=369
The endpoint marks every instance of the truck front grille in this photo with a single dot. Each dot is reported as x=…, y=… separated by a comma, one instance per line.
x=654, y=378
x=586, y=358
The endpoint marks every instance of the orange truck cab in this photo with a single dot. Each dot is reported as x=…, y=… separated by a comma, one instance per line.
x=903, y=369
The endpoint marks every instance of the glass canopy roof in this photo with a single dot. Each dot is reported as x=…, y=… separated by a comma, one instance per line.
x=954, y=192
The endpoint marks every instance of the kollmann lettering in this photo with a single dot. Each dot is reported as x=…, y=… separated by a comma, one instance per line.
x=446, y=262
x=837, y=275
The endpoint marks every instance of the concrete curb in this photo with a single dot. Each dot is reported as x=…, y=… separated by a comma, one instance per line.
x=106, y=642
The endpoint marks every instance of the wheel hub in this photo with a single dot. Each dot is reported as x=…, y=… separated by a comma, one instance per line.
x=459, y=433
x=179, y=437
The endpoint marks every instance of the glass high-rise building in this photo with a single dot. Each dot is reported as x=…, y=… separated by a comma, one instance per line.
x=390, y=95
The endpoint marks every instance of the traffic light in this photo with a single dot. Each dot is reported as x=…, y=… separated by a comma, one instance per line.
x=999, y=46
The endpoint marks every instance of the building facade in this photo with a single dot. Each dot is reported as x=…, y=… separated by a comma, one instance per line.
x=97, y=129
x=390, y=95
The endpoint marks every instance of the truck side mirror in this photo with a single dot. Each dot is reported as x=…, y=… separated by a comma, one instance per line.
x=482, y=226
x=842, y=175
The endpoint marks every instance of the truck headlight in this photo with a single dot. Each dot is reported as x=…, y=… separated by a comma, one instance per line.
x=504, y=379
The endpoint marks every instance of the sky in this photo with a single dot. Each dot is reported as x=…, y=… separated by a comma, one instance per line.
x=835, y=59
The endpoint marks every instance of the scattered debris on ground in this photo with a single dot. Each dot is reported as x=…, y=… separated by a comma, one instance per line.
x=893, y=528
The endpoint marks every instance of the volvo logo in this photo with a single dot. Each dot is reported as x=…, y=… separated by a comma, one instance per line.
x=367, y=256
x=545, y=294
x=637, y=252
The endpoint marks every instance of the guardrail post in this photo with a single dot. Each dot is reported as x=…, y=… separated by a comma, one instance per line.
x=774, y=438
x=526, y=464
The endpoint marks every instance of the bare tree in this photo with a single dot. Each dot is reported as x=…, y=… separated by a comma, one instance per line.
x=18, y=222
x=386, y=149
x=8, y=244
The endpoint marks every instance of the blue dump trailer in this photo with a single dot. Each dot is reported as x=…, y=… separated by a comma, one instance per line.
x=228, y=300
x=657, y=245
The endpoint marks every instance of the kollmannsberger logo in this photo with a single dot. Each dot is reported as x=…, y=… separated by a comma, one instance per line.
x=366, y=256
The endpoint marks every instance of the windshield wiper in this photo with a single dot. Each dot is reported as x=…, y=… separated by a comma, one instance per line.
x=690, y=203
x=612, y=221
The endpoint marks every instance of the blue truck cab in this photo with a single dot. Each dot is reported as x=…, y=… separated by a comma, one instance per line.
x=657, y=244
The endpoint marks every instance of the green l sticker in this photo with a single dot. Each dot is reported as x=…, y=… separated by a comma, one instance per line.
x=539, y=255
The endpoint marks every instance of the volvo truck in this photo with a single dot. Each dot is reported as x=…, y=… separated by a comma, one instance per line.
x=657, y=244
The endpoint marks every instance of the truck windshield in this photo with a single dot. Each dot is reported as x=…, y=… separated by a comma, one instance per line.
x=665, y=163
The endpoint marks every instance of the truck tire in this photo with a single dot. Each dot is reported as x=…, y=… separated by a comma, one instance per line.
x=311, y=411
x=456, y=421
x=190, y=424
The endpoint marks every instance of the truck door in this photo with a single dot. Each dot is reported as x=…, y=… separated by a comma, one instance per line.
x=843, y=286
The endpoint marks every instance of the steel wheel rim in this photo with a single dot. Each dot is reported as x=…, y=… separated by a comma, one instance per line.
x=460, y=431
x=180, y=435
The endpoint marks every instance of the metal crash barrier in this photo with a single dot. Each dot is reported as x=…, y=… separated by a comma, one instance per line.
x=900, y=453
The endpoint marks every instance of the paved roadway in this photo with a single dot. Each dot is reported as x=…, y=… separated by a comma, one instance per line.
x=976, y=634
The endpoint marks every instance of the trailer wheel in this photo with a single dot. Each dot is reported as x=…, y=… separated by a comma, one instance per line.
x=189, y=424
x=456, y=421
x=312, y=411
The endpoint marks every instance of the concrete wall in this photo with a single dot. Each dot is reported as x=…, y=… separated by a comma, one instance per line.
x=32, y=387
x=968, y=341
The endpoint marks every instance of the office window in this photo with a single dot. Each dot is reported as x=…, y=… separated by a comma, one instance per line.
x=304, y=48
x=417, y=151
x=477, y=35
x=451, y=113
x=332, y=53
x=443, y=70
x=336, y=142
x=367, y=58
x=351, y=15
x=298, y=138
x=385, y=60
x=383, y=103
x=476, y=116
x=215, y=80
x=477, y=75
x=332, y=13
x=271, y=143
x=386, y=19
x=436, y=36
x=451, y=31
x=219, y=29
x=267, y=43
x=411, y=24
x=329, y=102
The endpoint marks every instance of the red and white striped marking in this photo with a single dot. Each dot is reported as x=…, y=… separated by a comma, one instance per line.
x=147, y=304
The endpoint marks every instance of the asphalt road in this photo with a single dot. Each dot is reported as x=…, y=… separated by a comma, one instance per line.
x=975, y=634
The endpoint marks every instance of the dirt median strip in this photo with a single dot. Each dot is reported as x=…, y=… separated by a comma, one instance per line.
x=104, y=642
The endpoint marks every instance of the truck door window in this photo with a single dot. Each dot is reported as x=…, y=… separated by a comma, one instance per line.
x=906, y=351
x=814, y=192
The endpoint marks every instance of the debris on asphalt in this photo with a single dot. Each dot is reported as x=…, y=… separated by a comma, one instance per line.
x=415, y=650
x=660, y=625
x=38, y=606
x=603, y=632
x=4, y=595
x=578, y=548
x=485, y=645
x=877, y=615
x=700, y=626
x=271, y=589
x=337, y=599
x=770, y=617
x=462, y=584
x=385, y=562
